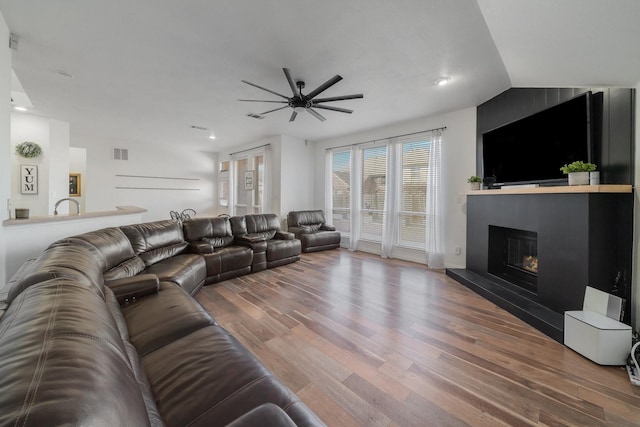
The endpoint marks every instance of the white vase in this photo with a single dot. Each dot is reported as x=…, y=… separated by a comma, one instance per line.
x=579, y=178
x=474, y=186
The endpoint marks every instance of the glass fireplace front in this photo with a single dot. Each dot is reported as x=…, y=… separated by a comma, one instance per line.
x=513, y=256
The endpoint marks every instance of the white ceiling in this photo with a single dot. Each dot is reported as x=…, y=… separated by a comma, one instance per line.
x=147, y=70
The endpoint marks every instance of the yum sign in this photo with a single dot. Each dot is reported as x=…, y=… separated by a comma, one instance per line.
x=28, y=179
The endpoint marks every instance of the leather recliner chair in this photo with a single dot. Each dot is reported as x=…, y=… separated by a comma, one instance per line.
x=312, y=230
x=271, y=247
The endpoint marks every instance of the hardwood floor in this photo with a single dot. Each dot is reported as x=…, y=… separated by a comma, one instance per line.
x=366, y=341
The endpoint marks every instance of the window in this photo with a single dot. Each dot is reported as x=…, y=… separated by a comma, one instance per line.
x=249, y=174
x=373, y=185
x=413, y=194
x=387, y=203
x=341, y=191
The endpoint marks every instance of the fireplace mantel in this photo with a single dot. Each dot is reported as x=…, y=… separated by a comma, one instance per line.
x=556, y=190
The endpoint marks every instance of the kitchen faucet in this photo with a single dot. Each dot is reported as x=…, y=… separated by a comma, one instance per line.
x=55, y=208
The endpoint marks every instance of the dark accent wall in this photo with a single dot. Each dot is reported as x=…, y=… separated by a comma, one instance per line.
x=613, y=148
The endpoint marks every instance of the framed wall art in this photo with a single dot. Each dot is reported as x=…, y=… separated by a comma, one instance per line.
x=248, y=180
x=28, y=179
x=75, y=183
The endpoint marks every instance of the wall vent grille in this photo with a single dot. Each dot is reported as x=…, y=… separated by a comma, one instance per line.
x=120, y=154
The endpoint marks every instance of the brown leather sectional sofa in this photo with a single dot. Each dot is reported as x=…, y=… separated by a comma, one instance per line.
x=101, y=330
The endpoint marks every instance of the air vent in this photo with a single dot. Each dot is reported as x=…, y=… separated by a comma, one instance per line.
x=255, y=116
x=120, y=154
x=13, y=41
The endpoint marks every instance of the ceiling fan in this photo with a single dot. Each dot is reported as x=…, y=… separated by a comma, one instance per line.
x=301, y=102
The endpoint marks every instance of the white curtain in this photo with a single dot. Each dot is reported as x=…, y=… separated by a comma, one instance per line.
x=328, y=186
x=356, y=215
x=392, y=199
x=266, y=176
x=435, y=227
x=232, y=185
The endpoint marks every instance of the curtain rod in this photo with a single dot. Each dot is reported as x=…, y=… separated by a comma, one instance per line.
x=388, y=137
x=249, y=149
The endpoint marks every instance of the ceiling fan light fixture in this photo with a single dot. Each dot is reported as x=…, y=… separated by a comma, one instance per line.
x=441, y=81
x=299, y=109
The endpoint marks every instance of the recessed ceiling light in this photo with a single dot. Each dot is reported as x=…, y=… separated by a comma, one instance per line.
x=20, y=108
x=212, y=136
x=441, y=81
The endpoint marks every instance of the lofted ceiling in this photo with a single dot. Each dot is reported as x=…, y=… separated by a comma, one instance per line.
x=148, y=70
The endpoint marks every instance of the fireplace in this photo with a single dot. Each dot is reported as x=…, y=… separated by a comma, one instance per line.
x=513, y=256
x=579, y=238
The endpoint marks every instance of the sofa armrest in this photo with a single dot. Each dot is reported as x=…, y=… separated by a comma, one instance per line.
x=327, y=227
x=200, y=247
x=284, y=235
x=128, y=289
x=256, y=243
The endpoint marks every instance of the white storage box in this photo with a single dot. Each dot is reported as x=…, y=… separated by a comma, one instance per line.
x=597, y=337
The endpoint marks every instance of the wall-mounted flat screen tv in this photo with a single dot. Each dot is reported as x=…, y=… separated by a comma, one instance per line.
x=532, y=149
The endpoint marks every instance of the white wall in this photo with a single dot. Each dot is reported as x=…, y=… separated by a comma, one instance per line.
x=160, y=178
x=296, y=176
x=635, y=292
x=58, y=166
x=5, y=138
x=25, y=127
x=78, y=164
x=459, y=158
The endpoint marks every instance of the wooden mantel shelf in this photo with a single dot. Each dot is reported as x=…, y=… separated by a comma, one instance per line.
x=556, y=190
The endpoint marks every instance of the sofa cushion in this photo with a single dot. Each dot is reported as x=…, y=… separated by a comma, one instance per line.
x=313, y=218
x=216, y=229
x=319, y=240
x=279, y=249
x=64, y=362
x=112, y=246
x=181, y=373
x=156, y=241
x=166, y=316
x=262, y=223
x=128, y=268
x=265, y=414
x=63, y=259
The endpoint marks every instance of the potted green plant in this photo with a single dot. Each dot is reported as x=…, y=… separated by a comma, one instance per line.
x=475, y=182
x=578, y=172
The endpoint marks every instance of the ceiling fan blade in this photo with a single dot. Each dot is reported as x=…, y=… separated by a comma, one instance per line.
x=293, y=116
x=287, y=73
x=328, y=107
x=339, y=98
x=315, y=114
x=262, y=100
x=324, y=86
x=268, y=90
x=275, y=109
